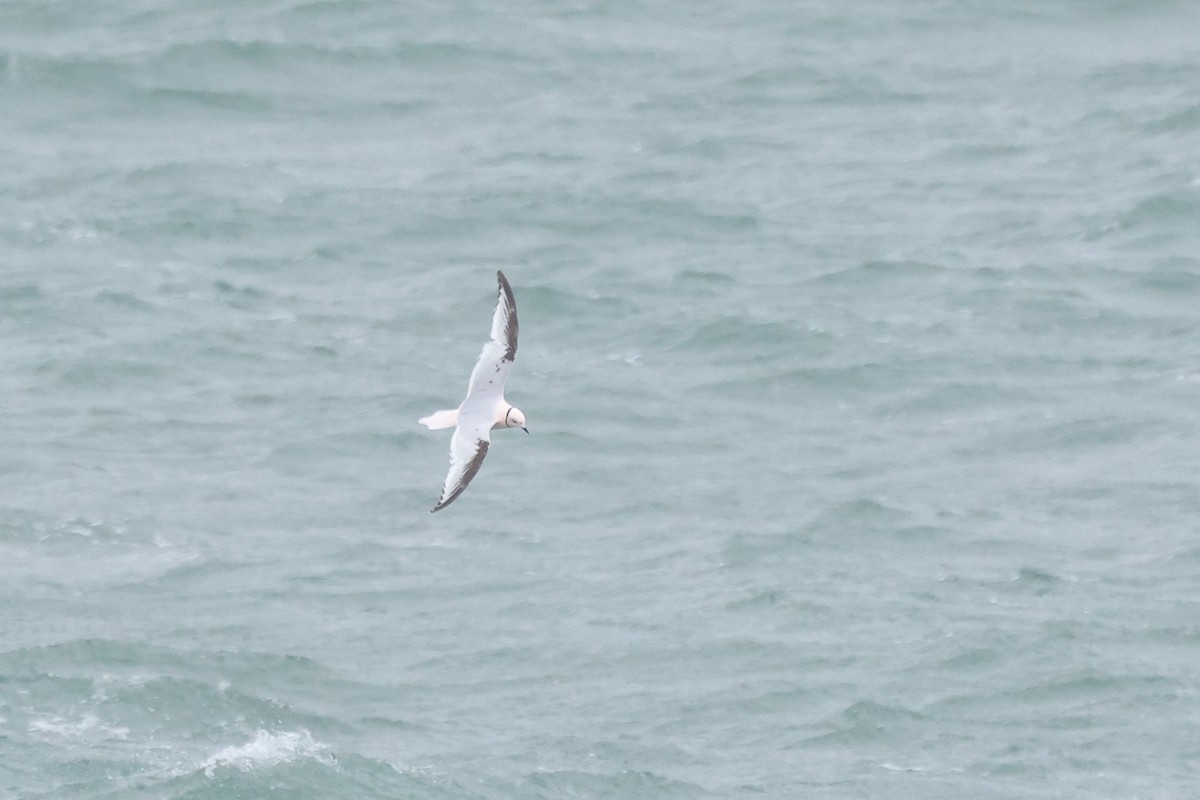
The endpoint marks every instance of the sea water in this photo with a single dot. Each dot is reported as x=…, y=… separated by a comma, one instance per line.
x=860, y=349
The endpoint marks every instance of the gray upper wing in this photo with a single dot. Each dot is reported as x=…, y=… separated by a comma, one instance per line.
x=468, y=447
x=496, y=359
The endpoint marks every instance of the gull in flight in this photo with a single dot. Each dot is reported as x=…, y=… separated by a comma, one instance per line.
x=485, y=407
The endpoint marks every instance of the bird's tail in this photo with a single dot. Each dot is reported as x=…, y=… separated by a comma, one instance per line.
x=440, y=419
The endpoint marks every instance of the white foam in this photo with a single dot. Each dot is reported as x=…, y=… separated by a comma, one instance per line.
x=87, y=726
x=269, y=749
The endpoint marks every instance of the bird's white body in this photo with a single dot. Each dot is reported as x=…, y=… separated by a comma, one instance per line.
x=484, y=408
x=440, y=420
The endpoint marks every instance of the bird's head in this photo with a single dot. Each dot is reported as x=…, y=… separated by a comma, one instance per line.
x=515, y=419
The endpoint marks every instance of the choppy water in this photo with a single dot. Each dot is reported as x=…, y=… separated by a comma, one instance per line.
x=860, y=347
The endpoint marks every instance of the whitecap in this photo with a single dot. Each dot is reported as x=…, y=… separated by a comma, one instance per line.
x=88, y=726
x=269, y=749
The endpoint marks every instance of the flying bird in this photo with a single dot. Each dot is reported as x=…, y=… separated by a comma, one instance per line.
x=485, y=408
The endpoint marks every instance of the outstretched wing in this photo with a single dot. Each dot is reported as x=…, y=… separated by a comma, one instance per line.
x=468, y=447
x=491, y=370
x=471, y=438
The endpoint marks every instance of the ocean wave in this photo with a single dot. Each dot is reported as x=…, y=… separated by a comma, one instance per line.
x=87, y=726
x=269, y=749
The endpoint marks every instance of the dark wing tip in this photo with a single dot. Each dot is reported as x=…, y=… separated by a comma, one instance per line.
x=511, y=328
x=467, y=475
x=506, y=289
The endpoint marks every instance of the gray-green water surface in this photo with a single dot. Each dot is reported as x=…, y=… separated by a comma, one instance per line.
x=860, y=350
